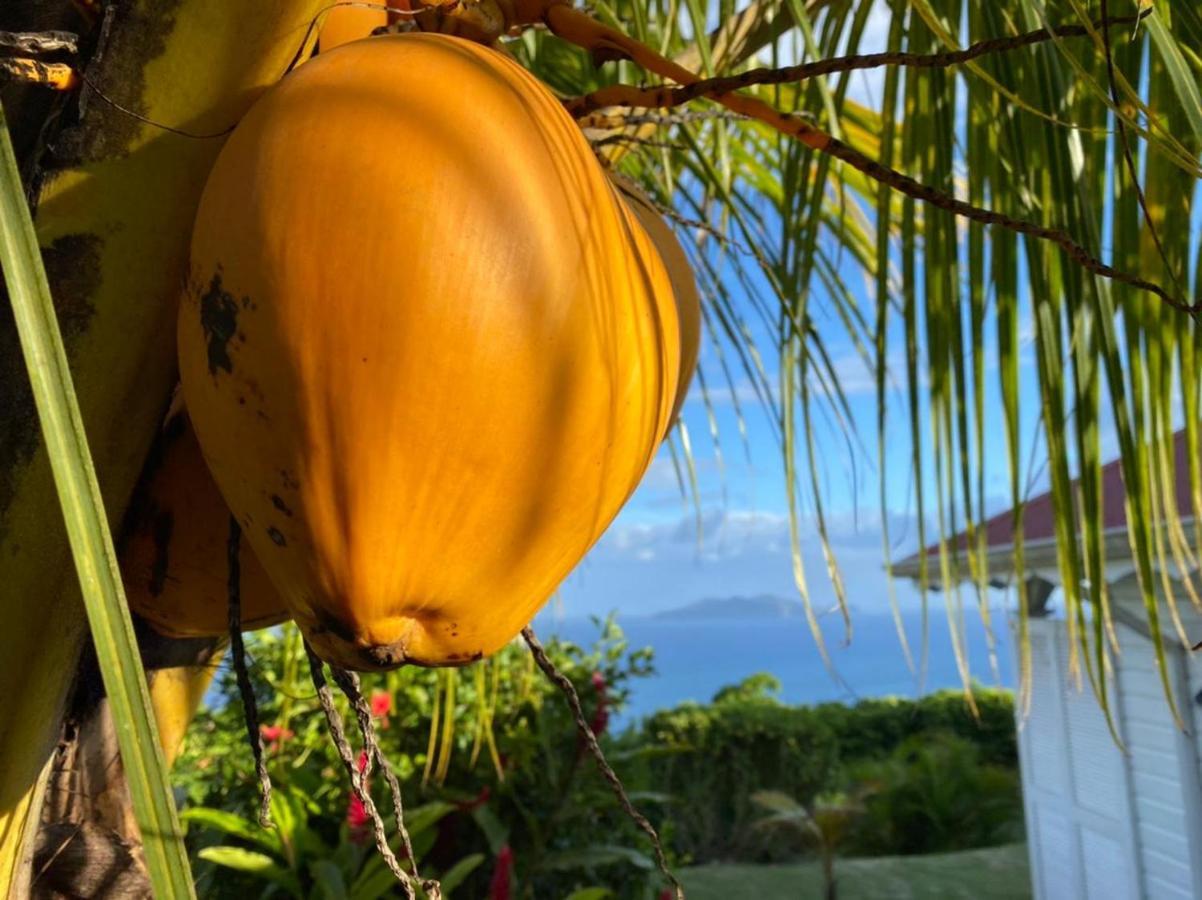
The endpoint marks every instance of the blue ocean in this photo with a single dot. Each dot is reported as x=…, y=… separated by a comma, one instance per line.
x=694, y=658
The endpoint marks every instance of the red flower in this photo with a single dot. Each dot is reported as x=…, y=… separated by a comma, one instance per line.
x=476, y=802
x=274, y=734
x=500, y=888
x=381, y=704
x=356, y=814
x=666, y=894
x=601, y=714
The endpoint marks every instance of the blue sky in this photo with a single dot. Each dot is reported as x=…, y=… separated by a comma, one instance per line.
x=651, y=558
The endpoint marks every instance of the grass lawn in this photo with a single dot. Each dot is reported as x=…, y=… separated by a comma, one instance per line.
x=997, y=873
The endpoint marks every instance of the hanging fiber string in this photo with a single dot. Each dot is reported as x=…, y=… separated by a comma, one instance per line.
x=358, y=784
x=247, y=691
x=348, y=682
x=569, y=691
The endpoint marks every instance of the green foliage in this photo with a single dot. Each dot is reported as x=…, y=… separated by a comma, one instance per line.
x=883, y=776
x=539, y=795
x=297, y=858
x=874, y=727
x=933, y=794
x=711, y=759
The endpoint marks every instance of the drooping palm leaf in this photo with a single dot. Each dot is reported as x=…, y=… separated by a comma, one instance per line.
x=1030, y=133
x=87, y=528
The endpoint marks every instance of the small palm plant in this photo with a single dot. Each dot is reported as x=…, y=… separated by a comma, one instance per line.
x=823, y=825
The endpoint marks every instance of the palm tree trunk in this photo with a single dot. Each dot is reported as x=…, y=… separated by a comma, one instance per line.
x=114, y=199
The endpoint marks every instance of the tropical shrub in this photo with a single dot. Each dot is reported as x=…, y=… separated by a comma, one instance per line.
x=520, y=795
x=711, y=759
x=874, y=727
x=301, y=858
x=934, y=794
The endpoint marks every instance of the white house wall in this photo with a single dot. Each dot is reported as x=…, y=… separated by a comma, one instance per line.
x=1076, y=786
x=1154, y=746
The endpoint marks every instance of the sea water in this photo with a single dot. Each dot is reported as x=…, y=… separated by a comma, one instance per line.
x=694, y=658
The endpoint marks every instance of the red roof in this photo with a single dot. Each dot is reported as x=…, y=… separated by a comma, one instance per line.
x=1039, y=513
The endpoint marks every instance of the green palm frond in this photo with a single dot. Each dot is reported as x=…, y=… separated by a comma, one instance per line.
x=1030, y=133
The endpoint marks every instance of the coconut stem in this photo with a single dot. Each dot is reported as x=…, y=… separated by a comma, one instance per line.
x=586, y=732
x=238, y=654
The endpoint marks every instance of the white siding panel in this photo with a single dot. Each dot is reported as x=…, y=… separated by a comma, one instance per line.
x=1097, y=764
x=1169, y=869
x=1166, y=842
x=1057, y=854
x=1151, y=734
x=1155, y=748
x=1159, y=889
x=1164, y=790
x=1155, y=814
x=1105, y=865
x=1046, y=764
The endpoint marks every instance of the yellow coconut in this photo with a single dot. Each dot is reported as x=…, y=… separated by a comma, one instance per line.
x=428, y=351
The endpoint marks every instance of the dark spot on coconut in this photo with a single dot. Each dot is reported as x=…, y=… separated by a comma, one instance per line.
x=73, y=269
x=262, y=415
x=242, y=401
x=289, y=479
x=219, y=320
x=245, y=305
x=276, y=536
x=163, y=525
x=241, y=337
x=278, y=502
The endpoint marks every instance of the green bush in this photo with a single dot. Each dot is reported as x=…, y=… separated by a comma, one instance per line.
x=537, y=802
x=874, y=728
x=711, y=759
x=934, y=794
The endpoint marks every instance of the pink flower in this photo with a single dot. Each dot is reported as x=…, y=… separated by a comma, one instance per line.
x=500, y=887
x=274, y=734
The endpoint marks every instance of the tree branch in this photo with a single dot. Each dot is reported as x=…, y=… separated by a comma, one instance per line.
x=670, y=96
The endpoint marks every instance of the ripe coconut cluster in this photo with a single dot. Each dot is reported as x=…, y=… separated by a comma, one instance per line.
x=428, y=349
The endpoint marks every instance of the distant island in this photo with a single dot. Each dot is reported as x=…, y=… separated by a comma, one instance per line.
x=761, y=606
